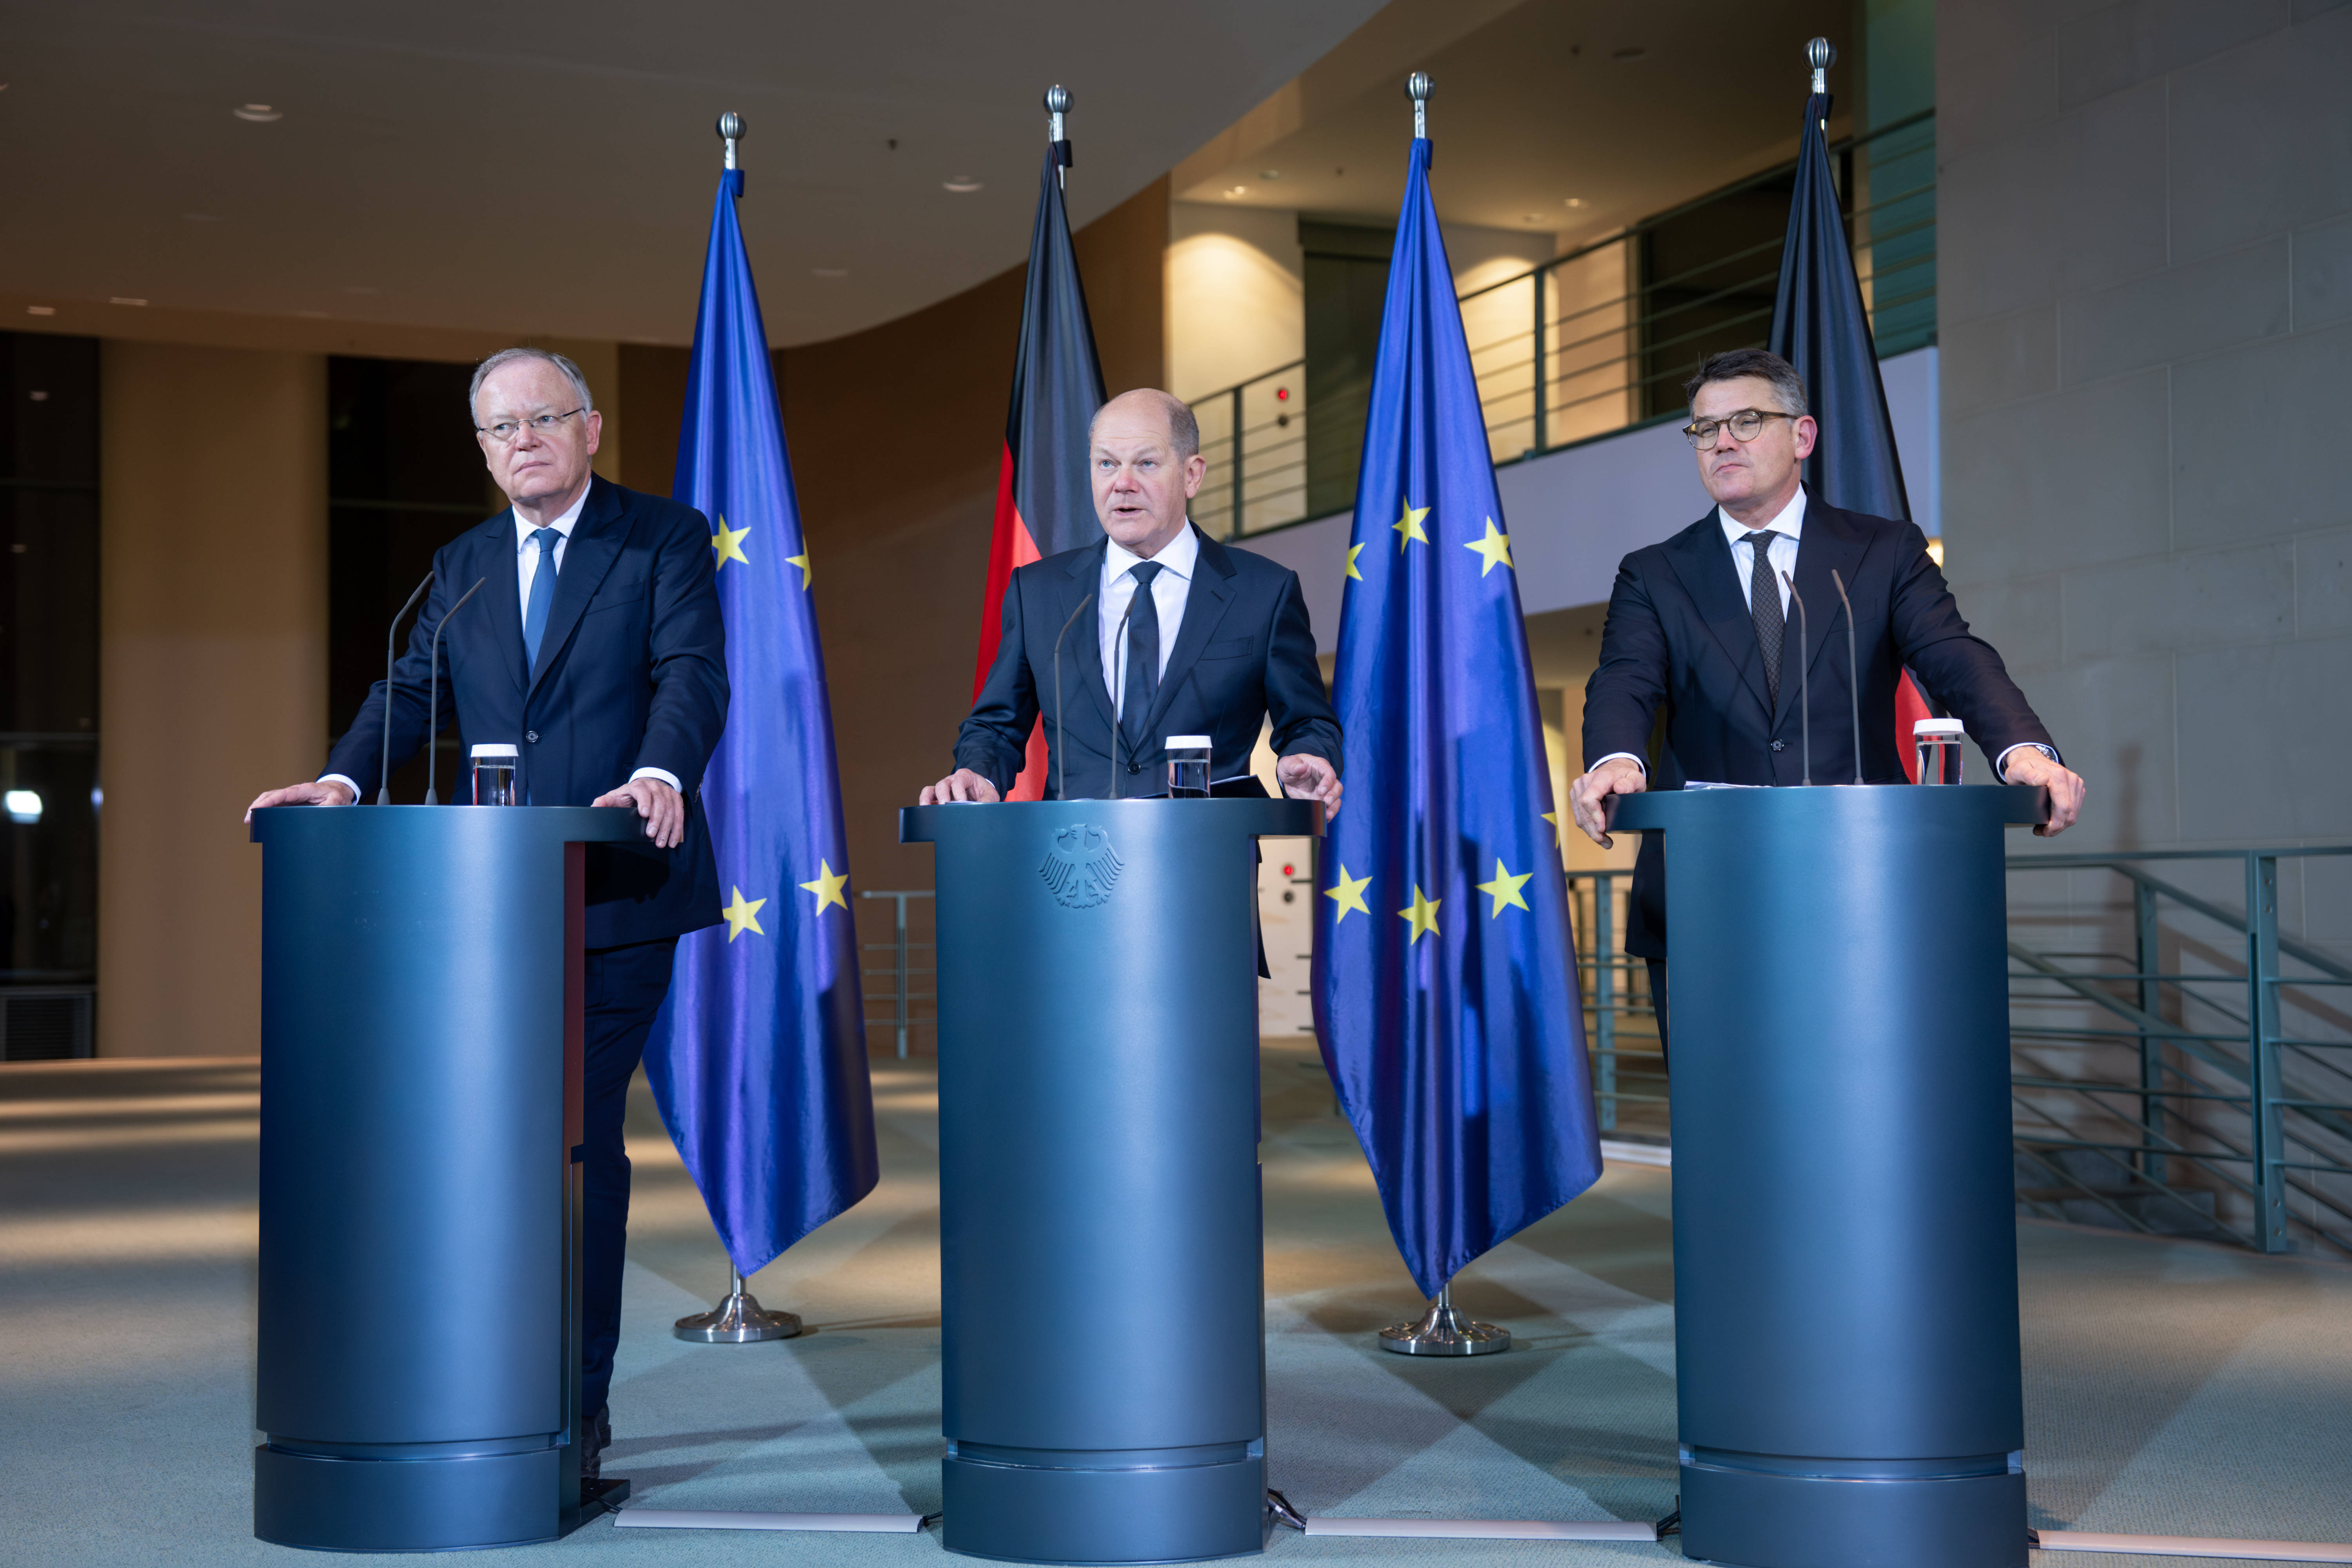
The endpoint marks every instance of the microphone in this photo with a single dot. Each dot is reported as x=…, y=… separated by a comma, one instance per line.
x=1853, y=675
x=383, y=788
x=1804, y=697
x=1061, y=751
x=433, y=685
x=1118, y=641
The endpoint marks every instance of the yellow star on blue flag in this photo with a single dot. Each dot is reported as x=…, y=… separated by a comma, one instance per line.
x=729, y=543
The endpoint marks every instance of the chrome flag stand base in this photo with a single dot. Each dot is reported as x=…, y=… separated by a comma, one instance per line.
x=738, y=1320
x=1443, y=1330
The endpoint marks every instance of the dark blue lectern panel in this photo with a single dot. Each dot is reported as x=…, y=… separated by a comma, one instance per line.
x=417, y=1355
x=1102, y=1284
x=1845, y=1238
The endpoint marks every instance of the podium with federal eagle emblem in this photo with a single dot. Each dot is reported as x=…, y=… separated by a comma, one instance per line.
x=1102, y=1287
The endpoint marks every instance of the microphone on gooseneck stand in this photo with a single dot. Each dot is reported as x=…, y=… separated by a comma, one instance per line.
x=1804, y=697
x=433, y=685
x=1852, y=676
x=1061, y=752
x=1118, y=641
x=392, y=633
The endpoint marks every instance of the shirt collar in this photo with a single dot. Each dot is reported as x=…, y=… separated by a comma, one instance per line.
x=1791, y=521
x=563, y=525
x=1179, y=555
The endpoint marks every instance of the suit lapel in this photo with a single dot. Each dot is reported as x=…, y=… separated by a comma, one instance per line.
x=1085, y=578
x=1703, y=562
x=504, y=611
x=1828, y=544
x=594, y=545
x=1204, y=606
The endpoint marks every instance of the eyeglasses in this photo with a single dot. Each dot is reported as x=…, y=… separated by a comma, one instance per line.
x=506, y=430
x=1746, y=425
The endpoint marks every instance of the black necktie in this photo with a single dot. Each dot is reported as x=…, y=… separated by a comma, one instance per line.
x=1143, y=657
x=1771, y=620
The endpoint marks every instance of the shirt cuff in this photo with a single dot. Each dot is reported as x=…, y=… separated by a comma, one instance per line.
x=1629, y=757
x=350, y=783
x=2000, y=764
x=670, y=778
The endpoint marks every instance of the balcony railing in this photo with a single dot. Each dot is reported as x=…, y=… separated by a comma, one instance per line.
x=1598, y=340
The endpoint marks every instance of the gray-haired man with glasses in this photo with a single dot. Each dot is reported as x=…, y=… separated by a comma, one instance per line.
x=596, y=650
x=1703, y=628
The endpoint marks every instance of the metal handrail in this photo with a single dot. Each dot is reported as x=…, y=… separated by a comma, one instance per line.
x=901, y=997
x=1520, y=374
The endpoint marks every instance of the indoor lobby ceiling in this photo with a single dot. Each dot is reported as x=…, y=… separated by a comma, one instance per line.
x=1620, y=109
x=549, y=169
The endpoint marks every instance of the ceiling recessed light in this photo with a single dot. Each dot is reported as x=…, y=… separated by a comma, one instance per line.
x=1576, y=202
x=38, y=396
x=260, y=113
x=1634, y=52
x=830, y=271
x=40, y=309
x=962, y=185
x=1233, y=191
x=124, y=299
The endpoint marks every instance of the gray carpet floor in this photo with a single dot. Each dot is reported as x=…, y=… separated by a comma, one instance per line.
x=2171, y=1388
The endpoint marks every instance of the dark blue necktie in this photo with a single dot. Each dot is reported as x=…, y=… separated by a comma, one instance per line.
x=1764, y=603
x=542, y=593
x=1143, y=657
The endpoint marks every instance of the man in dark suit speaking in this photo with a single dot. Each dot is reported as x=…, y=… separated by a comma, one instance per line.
x=595, y=648
x=1155, y=630
x=1704, y=625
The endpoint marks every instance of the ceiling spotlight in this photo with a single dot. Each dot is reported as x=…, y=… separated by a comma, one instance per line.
x=962, y=185
x=1233, y=191
x=40, y=309
x=124, y=299
x=260, y=113
x=1576, y=202
x=830, y=271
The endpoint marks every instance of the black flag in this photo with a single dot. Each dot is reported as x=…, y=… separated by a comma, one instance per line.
x=1819, y=325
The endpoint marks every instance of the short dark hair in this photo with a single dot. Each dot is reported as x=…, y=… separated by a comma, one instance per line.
x=1760, y=363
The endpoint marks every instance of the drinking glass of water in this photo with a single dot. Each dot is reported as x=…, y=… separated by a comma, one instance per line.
x=1940, y=743
x=1188, y=767
x=494, y=774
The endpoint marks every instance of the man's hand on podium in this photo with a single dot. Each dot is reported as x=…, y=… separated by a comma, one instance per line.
x=960, y=784
x=1303, y=776
x=2029, y=765
x=1616, y=776
x=321, y=792
x=663, y=808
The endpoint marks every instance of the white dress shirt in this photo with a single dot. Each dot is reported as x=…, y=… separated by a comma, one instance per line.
x=1787, y=529
x=1178, y=558
x=527, y=568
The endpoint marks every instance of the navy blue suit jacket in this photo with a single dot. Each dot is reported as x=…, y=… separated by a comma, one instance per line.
x=631, y=674
x=1244, y=652
x=1680, y=636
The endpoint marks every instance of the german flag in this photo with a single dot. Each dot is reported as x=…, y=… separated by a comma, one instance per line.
x=1045, y=500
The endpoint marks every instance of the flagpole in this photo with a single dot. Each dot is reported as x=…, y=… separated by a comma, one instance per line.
x=738, y=1319
x=1443, y=1330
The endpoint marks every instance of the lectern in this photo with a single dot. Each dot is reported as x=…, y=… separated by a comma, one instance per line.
x=1845, y=1235
x=1102, y=1287
x=418, y=1347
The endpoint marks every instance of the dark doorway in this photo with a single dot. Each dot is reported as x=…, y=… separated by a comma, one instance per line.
x=1346, y=279
x=404, y=478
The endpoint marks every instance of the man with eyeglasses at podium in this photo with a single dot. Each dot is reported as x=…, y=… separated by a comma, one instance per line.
x=595, y=647
x=1697, y=625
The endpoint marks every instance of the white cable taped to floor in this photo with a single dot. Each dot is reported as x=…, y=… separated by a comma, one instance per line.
x=1488, y=1529
x=723, y=1519
x=2197, y=1546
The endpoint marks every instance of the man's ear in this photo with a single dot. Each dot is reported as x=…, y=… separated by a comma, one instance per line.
x=1808, y=433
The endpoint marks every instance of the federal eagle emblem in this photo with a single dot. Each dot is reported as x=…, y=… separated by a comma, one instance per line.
x=1081, y=869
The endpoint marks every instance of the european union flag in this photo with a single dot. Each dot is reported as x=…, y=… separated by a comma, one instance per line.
x=759, y=1058
x=1445, y=987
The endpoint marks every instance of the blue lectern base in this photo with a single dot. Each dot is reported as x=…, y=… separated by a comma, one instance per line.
x=1755, y=1520
x=1032, y=1513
